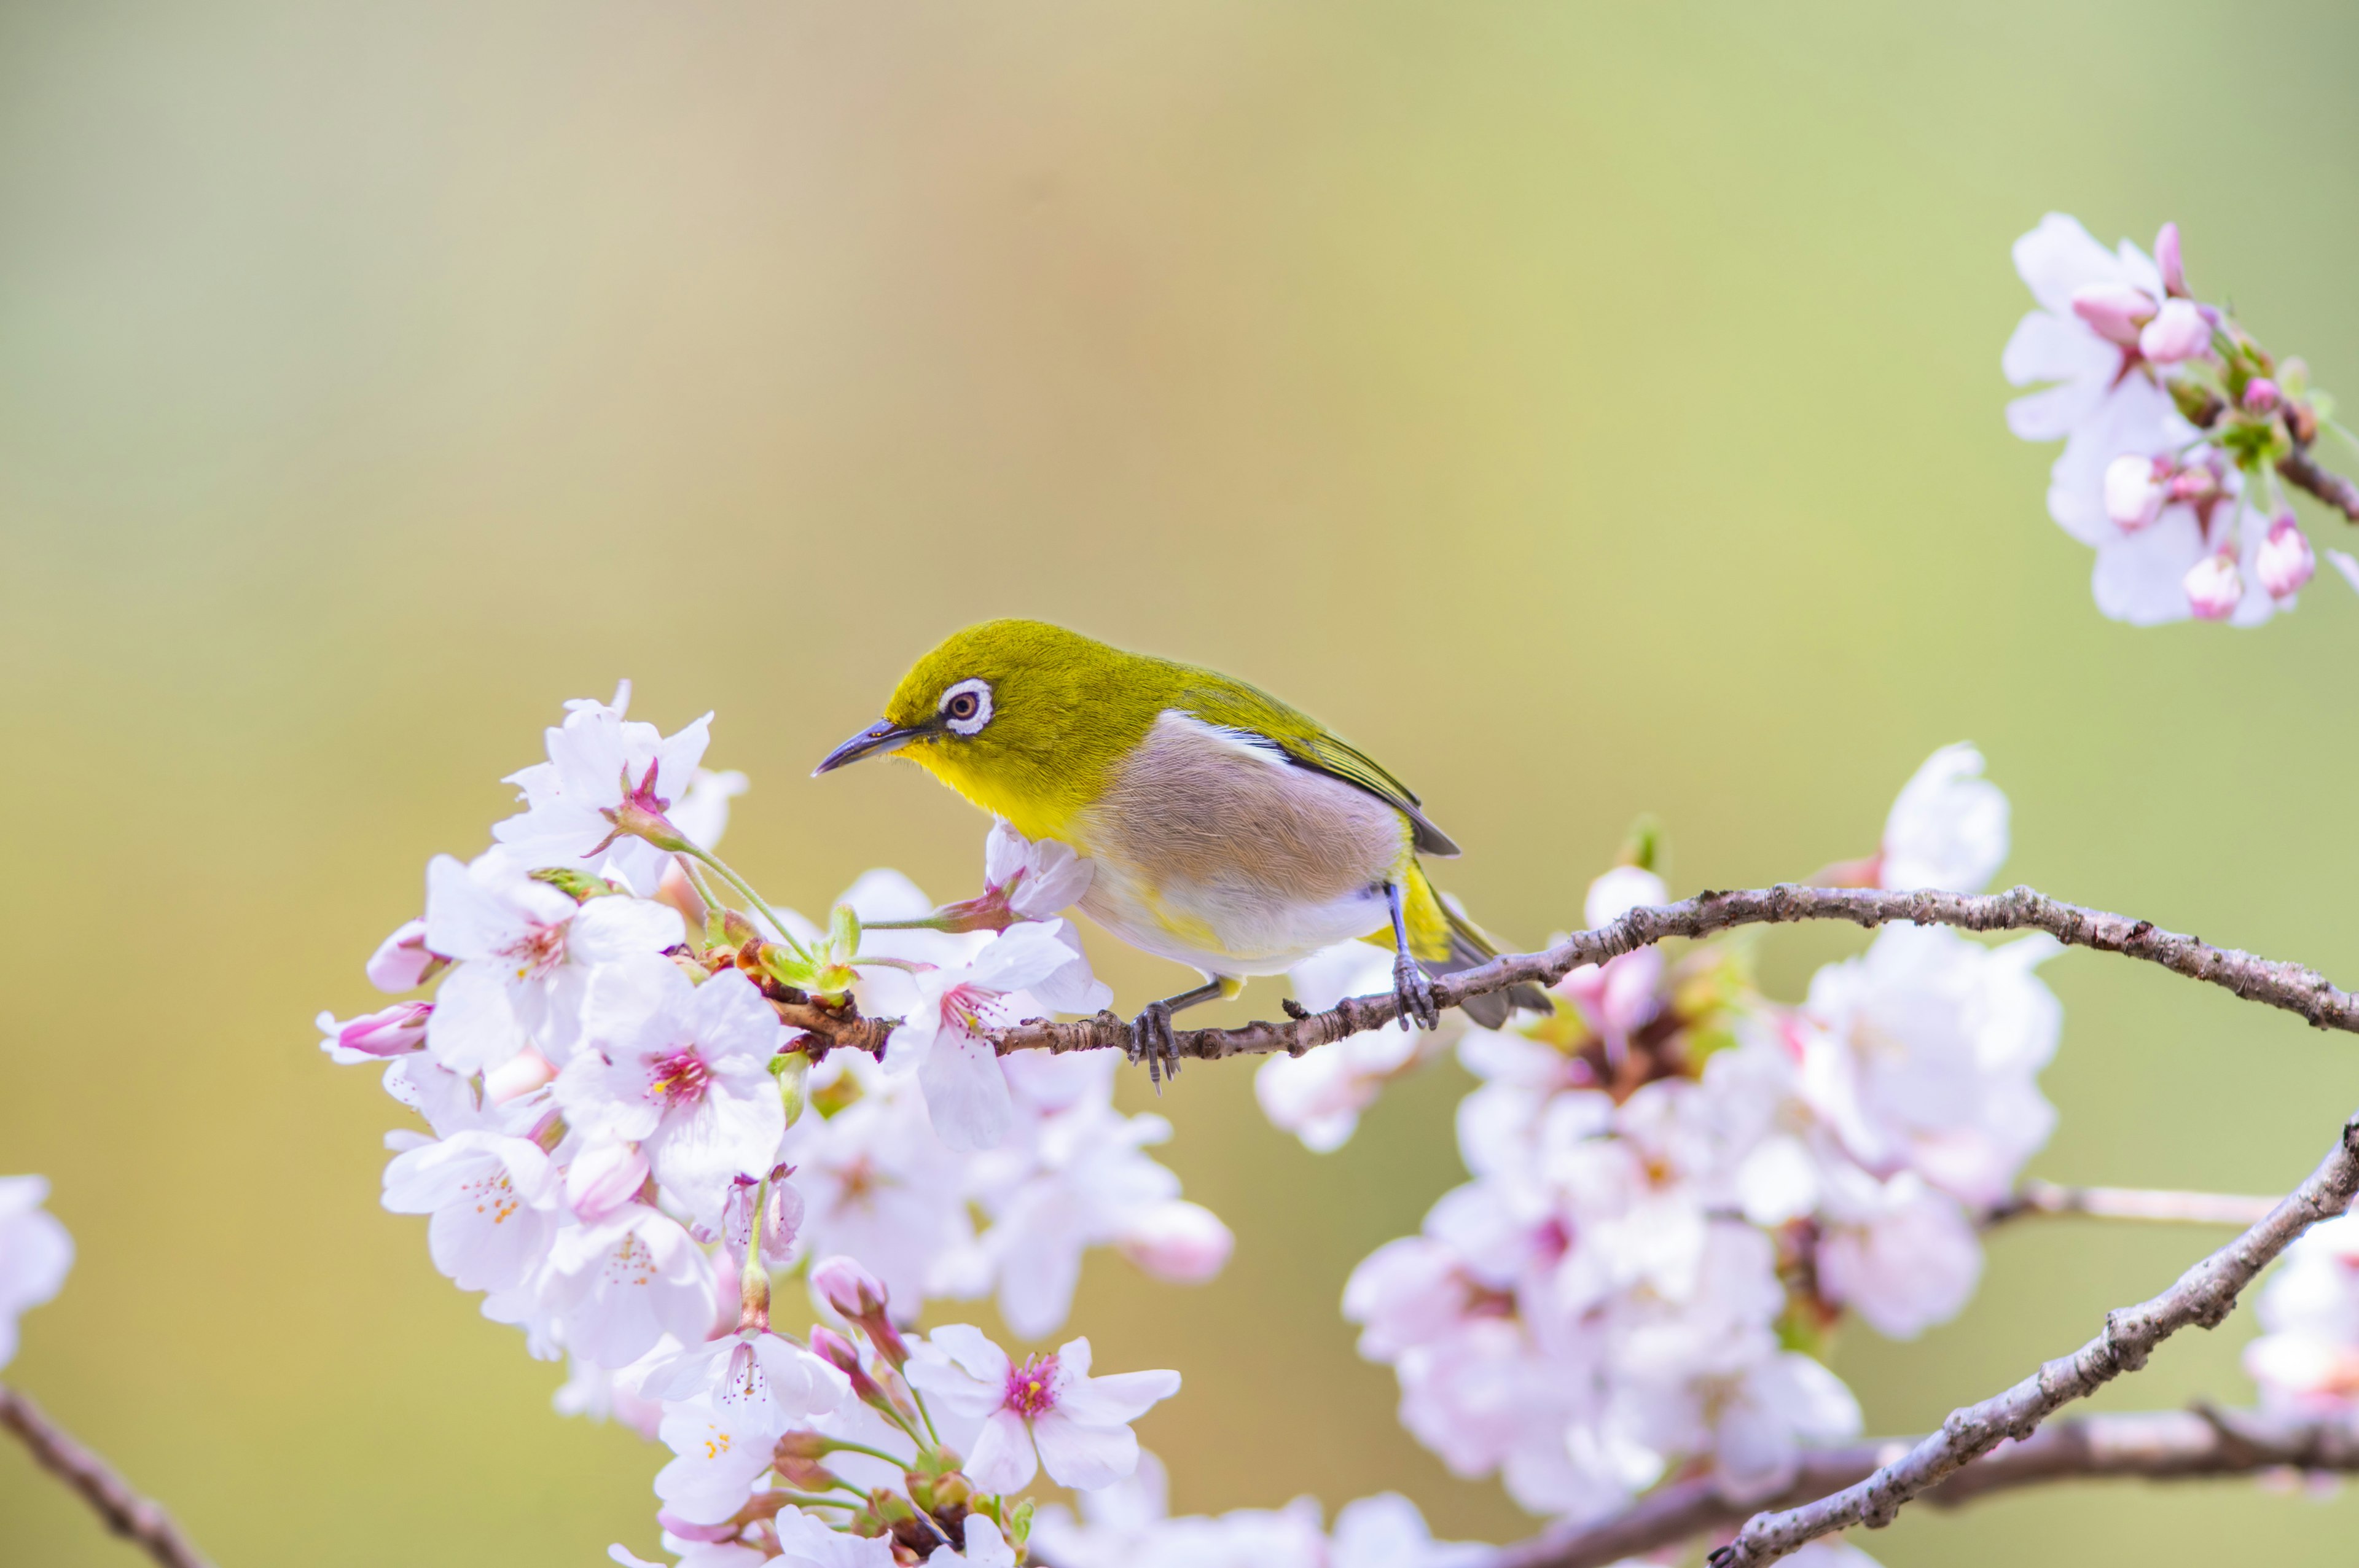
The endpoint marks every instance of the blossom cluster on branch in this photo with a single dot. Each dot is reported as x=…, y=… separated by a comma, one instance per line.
x=2181, y=432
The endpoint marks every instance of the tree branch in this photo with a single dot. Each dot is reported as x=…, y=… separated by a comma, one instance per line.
x=2204, y=1295
x=124, y=1511
x=2153, y=1445
x=2132, y=1202
x=2301, y=470
x=2282, y=985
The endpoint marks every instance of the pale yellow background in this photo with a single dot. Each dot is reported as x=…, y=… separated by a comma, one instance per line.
x=1589, y=409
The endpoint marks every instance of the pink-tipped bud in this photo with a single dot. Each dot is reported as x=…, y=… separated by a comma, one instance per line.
x=1180, y=1242
x=2215, y=586
x=394, y=1031
x=2177, y=331
x=603, y=1178
x=520, y=1074
x=844, y=1356
x=401, y=962
x=860, y=1297
x=2135, y=489
x=2115, y=311
x=2166, y=258
x=2261, y=396
x=2200, y=483
x=2284, y=562
x=844, y=1285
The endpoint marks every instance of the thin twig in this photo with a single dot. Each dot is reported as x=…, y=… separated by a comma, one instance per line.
x=2154, y=1445
x=2204, y=1295
x=2300, y=470
x=124, y=1511
x=2154, y=1205
x=2282, y=985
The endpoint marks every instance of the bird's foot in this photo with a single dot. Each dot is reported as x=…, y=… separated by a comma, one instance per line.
x=1414, y=994
x=1151, y=1041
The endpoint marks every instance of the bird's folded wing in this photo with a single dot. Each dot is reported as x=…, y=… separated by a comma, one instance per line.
x=1325, y=754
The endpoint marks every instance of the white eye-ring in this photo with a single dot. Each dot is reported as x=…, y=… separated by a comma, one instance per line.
x=966, y=707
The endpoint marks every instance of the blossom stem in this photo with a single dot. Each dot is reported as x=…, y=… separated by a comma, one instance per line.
x=721, y=869
x=2153, y=1206
x=925, y=1415
x=839, y=1445
x=714, y=903
x=124, y=1511
x=754, y=1287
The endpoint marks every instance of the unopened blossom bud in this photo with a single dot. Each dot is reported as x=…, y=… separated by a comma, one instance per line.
x=603, y=1178
x=860, y=1297
x=394, y=1031
x=401, y=962
x=1179, y=1241
x=2261, y=396
x=520, y=1074
x=2215, y=586
x=2135, y=489
x=2198, y=483
x=2115, y=311
x=2177, y=331
x=2166, y=258
x=842, y=1355
x=792, y=1069
x=2284, y=562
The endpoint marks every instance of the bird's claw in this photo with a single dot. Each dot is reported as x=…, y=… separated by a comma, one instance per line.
x=1151, y=1041
x=1414, y=994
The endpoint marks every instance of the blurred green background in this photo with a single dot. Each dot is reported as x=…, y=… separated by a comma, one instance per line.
x=1588, y=410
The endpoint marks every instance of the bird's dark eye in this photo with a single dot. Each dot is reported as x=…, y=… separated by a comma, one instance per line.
x=964, y=705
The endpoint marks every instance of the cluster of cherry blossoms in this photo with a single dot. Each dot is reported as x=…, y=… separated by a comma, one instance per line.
x=2307, y=1360
x=627, y=1148
x=2175, y=422
x=1680, y=1185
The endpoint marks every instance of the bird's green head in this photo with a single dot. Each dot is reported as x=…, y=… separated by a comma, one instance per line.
x=1022, y=718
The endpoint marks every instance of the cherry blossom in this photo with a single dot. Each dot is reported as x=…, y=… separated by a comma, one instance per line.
x=34, y=1254
x=1178, y=1242
x=684, y=1069
x=1035, y=880
x=1319, y=1096
x=402, y=961
x=596, y=758
x=1024, y=968
x=614, y=1289
x=1902, y=1255
x=1924, y=1055
x=879, y=1186
x=522, y=953
x=2307, y=1360
x=1948, y=826
x=1079, y=1425
x=494, y=1202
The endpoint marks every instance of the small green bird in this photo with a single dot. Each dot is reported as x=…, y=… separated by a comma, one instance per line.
x=1229, y=832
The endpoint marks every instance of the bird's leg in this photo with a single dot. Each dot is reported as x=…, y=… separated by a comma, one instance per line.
x=1150, y=1035
x=1411, y=990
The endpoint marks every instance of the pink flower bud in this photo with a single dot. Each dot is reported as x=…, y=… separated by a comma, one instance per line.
x=394, y=1031
x=861, y=1298
x=2284, y=562
x=2214, y=587
x=2115, y=311
x=844, y=1285
x=520, y=1074
x=2261, y=396
x=401, y=962
x=603, y=1178
x=2198, y=483
x=2177, y=331
x=1179, y=1241
x=2166, y=258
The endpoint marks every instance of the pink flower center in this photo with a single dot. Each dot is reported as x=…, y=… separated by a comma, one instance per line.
x=537, y=953
x=969, y=1008
x=679, y=1079
x=1032, y=1387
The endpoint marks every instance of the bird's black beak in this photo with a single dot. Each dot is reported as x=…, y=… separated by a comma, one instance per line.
x=882, y=736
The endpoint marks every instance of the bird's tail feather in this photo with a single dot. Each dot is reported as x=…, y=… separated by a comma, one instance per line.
x=1469, y=947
